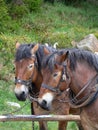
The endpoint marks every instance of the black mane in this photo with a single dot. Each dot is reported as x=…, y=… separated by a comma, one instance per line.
x=78, y=55
x=24, y=51
x=50, y=60
x=75, y=55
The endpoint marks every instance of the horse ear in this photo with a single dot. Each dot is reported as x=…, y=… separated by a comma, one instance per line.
x=64, y=56
x=67, y=53
x=17, y=45
x=35, y=48
x=46, y=51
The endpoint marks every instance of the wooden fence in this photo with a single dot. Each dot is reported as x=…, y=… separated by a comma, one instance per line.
x=39, y=118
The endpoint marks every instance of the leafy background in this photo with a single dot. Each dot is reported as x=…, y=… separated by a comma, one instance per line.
x=37, y=21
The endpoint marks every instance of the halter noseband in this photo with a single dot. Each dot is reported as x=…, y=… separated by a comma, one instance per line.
x=24, y=82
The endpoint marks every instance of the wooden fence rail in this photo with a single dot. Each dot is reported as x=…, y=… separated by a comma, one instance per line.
x=39, y=118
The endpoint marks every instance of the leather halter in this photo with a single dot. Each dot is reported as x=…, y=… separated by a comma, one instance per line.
x=24, y=82
x=57, y=88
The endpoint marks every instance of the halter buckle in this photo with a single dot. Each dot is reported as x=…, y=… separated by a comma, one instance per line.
x=64, y=77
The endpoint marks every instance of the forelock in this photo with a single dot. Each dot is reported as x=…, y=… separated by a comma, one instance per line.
x=24, y=51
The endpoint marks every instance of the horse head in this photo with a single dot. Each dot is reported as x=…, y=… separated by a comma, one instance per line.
x=25, y=64
x=54, y=78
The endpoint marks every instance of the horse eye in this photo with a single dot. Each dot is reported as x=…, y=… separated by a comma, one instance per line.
x=30, y=66
x=55, y=74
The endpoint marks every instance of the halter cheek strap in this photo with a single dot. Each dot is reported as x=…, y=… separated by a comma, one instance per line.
x=56, y=89
x=35, y=63
x=64, y=75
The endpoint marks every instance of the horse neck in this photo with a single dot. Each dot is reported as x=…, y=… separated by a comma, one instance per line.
x=80, y=77
x=37, y=79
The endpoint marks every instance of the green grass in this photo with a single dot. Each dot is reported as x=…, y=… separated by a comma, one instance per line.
x=7, y=94
x=54, y=23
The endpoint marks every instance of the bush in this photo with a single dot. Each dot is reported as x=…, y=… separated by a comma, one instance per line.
x=17, y=11
x=62, y=38
x=33, y=5
x=4, y=16
x=73, y=2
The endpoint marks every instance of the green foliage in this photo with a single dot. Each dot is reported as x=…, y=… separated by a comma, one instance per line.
x=4, y=16
x=62, y=38
x=22, y=8
x=17, y=11
x=73, y=2
x=33, y=5
x=54, y=23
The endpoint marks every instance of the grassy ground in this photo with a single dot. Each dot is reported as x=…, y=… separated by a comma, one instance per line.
x=7, y=94
x=54, y=23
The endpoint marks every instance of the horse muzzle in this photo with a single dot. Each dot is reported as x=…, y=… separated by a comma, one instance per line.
x=21, y=97
x=43, y=104
x=21, y=92
x=45, y=101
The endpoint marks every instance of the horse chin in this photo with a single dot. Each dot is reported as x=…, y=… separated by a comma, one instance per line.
x=48, y=108
x=21, y=97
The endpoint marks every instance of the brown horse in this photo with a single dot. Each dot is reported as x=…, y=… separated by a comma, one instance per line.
x=52, y=77
x=29, y=78
x=80, y=71
x=26, y=77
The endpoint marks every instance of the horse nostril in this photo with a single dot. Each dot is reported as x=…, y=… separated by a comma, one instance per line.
x=44, y=103
x=22, y=96
x=23, y=93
